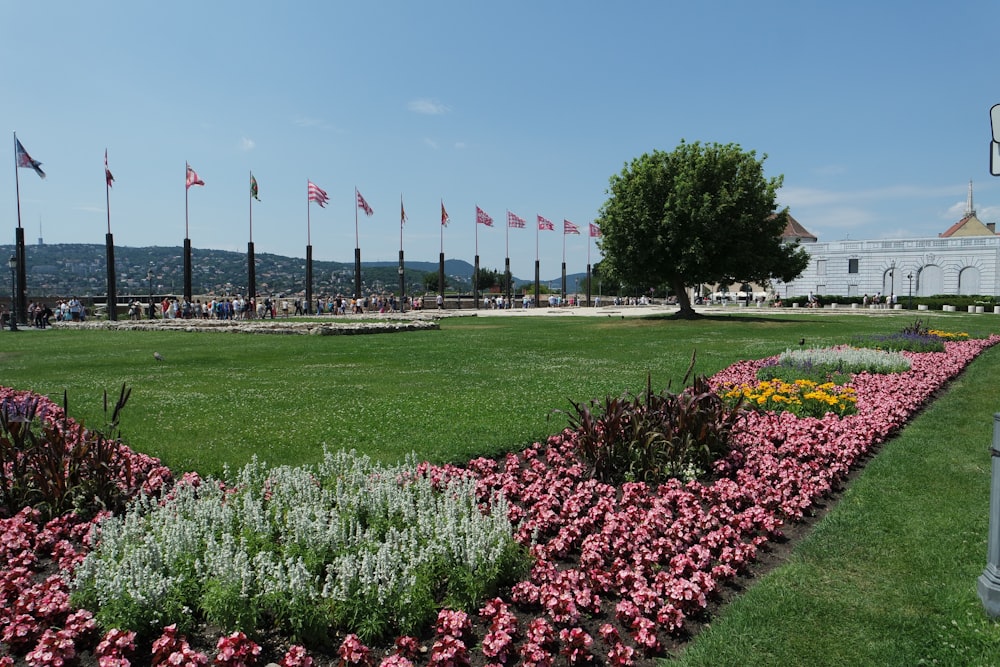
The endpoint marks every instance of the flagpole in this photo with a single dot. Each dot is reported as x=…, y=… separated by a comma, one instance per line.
x=441, y=259
x=402, y=280
x=357, y=250
x=564, y=262
x=538, y=227
x=19, y=310
x=251, y=258
x=309, y=255
x=17, y=185
x=187, y=240
x=589, y=237
x=109, y=240
x=107, y=191
x=475, y=270
x=186, y=188
x=506, y=263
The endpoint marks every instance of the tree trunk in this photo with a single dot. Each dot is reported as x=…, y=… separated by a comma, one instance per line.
x=686, y=312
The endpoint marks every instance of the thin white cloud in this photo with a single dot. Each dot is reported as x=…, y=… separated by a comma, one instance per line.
x=427, y=106
x=801, y=197
x=431, y=143
x=842, y=218
x=247, y=144
x=986, y=213
x=460, y=145
x=305, y=121
x=830, y=170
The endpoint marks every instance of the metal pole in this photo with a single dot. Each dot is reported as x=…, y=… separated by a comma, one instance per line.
x=149, y=274
x=988, y=584
x=12, y=316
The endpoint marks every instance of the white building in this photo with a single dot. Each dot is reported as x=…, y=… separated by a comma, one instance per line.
x=965, y=259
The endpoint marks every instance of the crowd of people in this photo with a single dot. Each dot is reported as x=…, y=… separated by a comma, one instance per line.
x=40, y=315
x=261, y=308
x=879, y=301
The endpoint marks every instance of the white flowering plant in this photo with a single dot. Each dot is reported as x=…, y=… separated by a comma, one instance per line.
x=347, y=545
x=835, y=364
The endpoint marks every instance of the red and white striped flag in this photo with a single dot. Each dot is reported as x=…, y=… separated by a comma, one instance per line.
x=362, y=204
x=192, y=178
x=483, y=218
x=107, y=172
x=546, y=224
x=317, y=194
x=22, y=159
x=514, y=220
x=444, y=215
x=595, y=231
x=570, y=228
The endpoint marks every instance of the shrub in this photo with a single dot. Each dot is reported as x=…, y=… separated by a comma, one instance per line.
x=914, y=337
x=55, y=465
x=652, y=437
x=899, y=342
x=344, y=546
x=832, y=364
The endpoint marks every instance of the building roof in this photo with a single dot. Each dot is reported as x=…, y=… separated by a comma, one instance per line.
x=970, y=225
x=794, y=231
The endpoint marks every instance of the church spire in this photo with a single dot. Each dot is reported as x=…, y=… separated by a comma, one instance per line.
x=970, y=210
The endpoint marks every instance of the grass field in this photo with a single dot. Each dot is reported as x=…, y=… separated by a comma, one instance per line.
x=478, y=386
x=888, y=577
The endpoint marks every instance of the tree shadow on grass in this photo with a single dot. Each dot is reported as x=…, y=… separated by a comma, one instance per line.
x=718, y=319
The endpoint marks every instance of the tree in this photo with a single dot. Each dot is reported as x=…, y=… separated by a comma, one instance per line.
x=431, y=282
x=701, y=214
x=489, y=278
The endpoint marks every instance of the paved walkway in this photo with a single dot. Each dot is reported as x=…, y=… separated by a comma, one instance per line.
x=641, y=311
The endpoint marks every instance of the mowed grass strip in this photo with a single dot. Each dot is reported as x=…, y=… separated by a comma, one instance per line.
x=888, y=577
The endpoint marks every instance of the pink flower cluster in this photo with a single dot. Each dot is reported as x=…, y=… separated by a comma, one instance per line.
x=36, y=619
x=449, y=649
x=236, y=650
x=115, y=647
x=501, y=630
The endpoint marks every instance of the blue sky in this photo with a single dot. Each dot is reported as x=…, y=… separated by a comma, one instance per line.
x=876, y=114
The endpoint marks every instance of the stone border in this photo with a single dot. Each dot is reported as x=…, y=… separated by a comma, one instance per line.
x=274, y=327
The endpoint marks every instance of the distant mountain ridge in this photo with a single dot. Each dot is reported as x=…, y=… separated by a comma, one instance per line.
x=79, y=268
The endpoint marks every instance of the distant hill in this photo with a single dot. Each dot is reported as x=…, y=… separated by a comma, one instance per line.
x=79, y=269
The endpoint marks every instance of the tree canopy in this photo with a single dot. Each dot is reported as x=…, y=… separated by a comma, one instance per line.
x=699, y=214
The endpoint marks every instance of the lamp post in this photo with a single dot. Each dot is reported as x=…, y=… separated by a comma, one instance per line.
x=12, y=263
x=402, y=288
x=149, y=277
x=892, y=282
x=909, y=276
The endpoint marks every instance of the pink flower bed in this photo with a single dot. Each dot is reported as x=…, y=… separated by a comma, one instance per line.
x=643, y=559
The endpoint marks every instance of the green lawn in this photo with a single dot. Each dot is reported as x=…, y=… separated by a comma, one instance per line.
x=888, y=577
x=478, y=386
